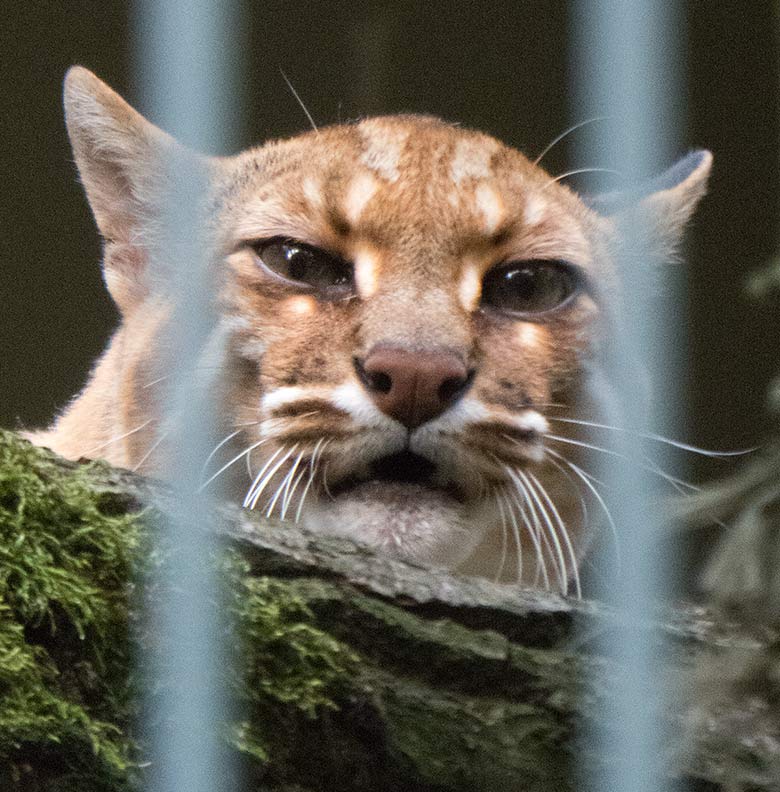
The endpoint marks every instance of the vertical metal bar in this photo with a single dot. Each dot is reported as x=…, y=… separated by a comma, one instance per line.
x=186, y=85
x=625, y=67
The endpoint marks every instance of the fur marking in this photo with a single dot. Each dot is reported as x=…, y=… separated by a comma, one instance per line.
x=313, y=193
x=490, y=205
x=383, y=149
x=535, y=209
x=360, y=191
x=470, y=289
x=300, y=304
x=528, y=334
x=366, y=273
x=471, y=160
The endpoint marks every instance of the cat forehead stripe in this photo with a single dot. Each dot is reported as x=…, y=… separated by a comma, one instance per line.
x=535, y=210
x=366, y=272
x=490, y=205
x=360, y=191
x=471, y=160
x=383, y=147
x=313, y=192
x=470, y=287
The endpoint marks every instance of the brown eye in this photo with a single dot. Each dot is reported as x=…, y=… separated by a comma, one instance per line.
x=529, y=287
x=305, y=264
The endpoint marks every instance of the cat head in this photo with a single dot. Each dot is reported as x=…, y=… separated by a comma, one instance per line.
x=405, y=304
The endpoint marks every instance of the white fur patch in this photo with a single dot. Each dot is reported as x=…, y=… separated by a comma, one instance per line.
x=366, y=273
x=383, y=149
x=471, y=160
x=312, y=192
x=360, y=191
x=300, y=304
x=352, y=398
x=287, y=394
x=456, y=418
x=530, y=421
x=528, y=334
x=491, y=206
x=535, y=210
x=470, y=287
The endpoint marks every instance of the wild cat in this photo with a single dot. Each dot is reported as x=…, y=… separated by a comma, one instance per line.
x=409, y=311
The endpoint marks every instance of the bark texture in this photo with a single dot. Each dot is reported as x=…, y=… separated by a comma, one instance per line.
x=365, y=673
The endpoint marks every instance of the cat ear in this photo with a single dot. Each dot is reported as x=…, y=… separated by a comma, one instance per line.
x=659, y=209
x=120, y=157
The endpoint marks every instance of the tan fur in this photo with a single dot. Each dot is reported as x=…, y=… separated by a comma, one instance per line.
x=424, y=210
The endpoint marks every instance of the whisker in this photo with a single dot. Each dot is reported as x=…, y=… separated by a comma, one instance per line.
x=313, y=463
x=580, y=170
x=265, y=477
x=502, y=557
x=216, y=448
x=518, y=543
x=649, y=466
x=258, y=478
x=584, y=477
x=583, y=505
x=299, y=100
x=558, y=558
x=325, y=482
x=533, y=525
x=564, y=534
x=191, y=370
x=534, y=531
x=235, y=459
x=117, y=438
x=155, y=381
x=284, y=484
x=289, y=479
x=151, y=450
x=286, y=500
x=658, y=438
x=560, y=137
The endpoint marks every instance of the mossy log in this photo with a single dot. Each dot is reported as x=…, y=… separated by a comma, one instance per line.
x=357, y=672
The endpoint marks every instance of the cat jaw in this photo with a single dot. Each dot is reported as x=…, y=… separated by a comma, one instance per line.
x=422, y=222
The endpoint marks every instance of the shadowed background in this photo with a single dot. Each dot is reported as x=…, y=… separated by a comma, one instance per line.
x=500, y=67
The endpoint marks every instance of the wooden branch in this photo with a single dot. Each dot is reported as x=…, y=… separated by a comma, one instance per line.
x=452, y=683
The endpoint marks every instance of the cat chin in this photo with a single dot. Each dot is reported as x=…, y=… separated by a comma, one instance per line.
x=417, y=524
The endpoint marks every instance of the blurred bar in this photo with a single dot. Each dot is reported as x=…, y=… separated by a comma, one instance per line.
x=625, y=66
x=186, y=84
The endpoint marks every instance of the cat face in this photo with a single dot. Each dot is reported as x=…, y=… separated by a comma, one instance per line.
x=404, y=307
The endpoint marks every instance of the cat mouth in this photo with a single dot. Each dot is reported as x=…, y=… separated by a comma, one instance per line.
x=404, y=504
x=401, y=472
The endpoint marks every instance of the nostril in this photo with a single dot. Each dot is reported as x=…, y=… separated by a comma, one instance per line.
x=454, y=387
x=381, y=382
x=376, y=381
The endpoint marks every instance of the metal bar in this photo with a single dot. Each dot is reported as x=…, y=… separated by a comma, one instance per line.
x=625, y=61
x=186, y=87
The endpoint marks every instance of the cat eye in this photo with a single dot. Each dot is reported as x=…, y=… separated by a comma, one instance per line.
x=530, y=287
x=305, y=264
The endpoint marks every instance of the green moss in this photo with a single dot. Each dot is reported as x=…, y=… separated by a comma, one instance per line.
x=67, y=697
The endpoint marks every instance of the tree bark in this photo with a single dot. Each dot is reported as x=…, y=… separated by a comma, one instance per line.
x=461, y=684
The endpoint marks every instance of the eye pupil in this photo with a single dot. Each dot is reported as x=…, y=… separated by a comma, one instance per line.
x=529, y=287
x=305, y=264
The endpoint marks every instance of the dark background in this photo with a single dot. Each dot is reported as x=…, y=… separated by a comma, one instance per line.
x=498, y=66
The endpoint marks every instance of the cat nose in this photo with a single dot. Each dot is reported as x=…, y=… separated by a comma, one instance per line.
x=413, y=387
